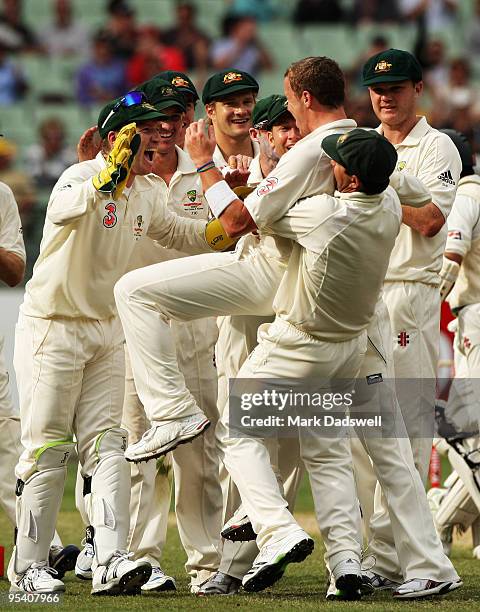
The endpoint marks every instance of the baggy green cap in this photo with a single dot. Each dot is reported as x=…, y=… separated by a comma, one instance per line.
x=180, y=81
x=124, y=115
x=162, y=94
x=365, y=154
x=227, y=82
x=268, y=110
x=390, y=66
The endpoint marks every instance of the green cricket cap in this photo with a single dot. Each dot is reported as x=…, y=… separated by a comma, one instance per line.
x=268, y=111
x=115, y=115
x=162, y=94
x=365, y=154
x=390, y=66
x=180, y=81
x=224, y=83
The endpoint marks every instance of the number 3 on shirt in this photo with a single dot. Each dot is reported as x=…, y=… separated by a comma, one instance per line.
x=110, y=219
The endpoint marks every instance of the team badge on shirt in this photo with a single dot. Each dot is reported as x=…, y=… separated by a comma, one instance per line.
x=193, y=203
x=446, y=178
x=267, y=185
x=138, y=227
x=401, y=166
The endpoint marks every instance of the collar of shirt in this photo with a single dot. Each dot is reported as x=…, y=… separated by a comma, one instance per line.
x=333, y=125
x=413, y=138
x=359, y=197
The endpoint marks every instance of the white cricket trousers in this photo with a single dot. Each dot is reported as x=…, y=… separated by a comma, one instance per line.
x=183, y=290
x=286, y=352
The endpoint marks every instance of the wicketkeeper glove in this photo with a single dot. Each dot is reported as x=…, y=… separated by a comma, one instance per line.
x=114, y=177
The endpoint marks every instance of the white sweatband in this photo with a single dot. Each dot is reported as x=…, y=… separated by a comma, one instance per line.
x=219, y=196
x=448, y=275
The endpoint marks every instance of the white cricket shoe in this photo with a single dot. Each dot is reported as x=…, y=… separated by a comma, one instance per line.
x=270, y=563
x=220, y=584
x=346, y=581
x=418, y=587
x=159, y=581
x=371, y=582
x=120, y=575
x=39, y=578
x=83, y=566
x=238, y=530
x=164, y=437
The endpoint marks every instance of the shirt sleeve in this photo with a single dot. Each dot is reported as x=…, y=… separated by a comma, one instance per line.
x=285, y=185
x=175, y=232
x=11, y=237
x=461, y=222
x=440, y=172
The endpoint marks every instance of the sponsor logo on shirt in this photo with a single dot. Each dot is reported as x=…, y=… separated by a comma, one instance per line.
x=401, y=165
x=403, y=339
x=267, y=185
x=64, y=187
x=446, y=178
x=466, y=342
x=455, y=234
x=373, y=379
x=138, y=227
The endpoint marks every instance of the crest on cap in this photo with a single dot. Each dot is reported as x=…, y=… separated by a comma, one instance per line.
x=167, y=91
x=342, y=138
x=383, y=66
x=148, y=106
x=230, y=77
x=179, y=81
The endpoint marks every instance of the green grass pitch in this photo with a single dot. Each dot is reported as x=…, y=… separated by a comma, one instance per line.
x=302, y=588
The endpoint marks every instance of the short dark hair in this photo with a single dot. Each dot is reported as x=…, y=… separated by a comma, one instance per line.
x=321, y=76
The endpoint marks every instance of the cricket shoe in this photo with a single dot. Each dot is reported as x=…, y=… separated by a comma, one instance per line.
x=62, y=559
x=238, y=530
x=371, y=582
x=272, y=560
x=83, y=566
x=159, y=581
x=345, y=581
x=220, y=584
x=120, y=575
x=164, y=437
x=39, y=578
x=419, y=587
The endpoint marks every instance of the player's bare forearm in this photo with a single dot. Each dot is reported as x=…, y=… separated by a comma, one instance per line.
x=456, y=257
x=12, y=268
x=427, y=220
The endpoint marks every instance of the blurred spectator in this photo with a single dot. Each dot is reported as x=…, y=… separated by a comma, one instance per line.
x=19, y=182
x=121, y=28
x=474, y=30
x=13, y=85
x=186, y=35
x=13, y=32
x=457, y=96
x=51, y=156
x=434, y=62
x=240, y=48
x=360, y=109
x=151, y=57
x=103, y=77
x=437, y=14
x=66, y=36
x=262, y=10
x=379, y=11
x=318, y=11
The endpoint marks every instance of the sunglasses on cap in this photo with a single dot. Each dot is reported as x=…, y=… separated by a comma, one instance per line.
x=133, y=98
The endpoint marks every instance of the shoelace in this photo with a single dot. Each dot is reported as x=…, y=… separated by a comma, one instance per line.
x=38, y=571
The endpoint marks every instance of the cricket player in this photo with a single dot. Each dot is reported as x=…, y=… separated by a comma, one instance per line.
x=229, y=99
x=69, y=346
x=275, y=130
x=198, y=494
x=459, y=502
x=12, y=268
x=394, y=79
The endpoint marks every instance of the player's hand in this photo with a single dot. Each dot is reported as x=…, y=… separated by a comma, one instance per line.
x=89, y=144
x=237, y=172
x=200, y=142
x=114, y=177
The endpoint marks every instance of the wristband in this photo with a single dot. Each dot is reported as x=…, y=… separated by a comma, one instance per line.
x=219, y=196
x=210, y=164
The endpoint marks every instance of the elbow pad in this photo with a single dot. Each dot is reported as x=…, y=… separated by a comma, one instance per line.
x=216, y=237
x=448, y=276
